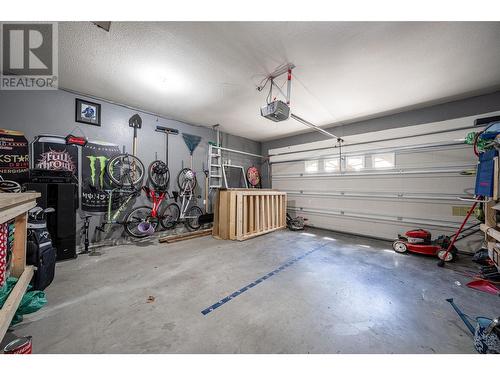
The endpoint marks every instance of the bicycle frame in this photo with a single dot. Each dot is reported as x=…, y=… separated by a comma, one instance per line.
x=113, y=218
x=185, y=204
x=156, y=198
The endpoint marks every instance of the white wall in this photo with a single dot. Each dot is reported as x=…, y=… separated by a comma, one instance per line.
x=420, y=190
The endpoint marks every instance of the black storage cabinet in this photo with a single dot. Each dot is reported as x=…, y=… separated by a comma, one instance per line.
x=63, y=197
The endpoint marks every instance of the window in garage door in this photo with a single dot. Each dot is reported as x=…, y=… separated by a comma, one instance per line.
x=331, y=165
x=311, y=166
x=355, y=163
x=382, y=161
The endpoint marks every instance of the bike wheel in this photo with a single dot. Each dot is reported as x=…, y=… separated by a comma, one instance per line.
x=158, y=174
x=186, y=180
x=125, y=170
x=192, y=216
x=8, y=186
x=137, y=216
x=170, y=216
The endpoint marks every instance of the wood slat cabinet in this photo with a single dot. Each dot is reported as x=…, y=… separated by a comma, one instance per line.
x=241, y=214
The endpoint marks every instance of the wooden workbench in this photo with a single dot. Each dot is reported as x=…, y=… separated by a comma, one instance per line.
x=15, y=206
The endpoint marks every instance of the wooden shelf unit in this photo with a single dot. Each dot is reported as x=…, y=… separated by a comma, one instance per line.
x=15, y=206
x=490, y=227
x=241, y=214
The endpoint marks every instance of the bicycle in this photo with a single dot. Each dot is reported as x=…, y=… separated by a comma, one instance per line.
x=126, y=172
x=173, y=214
x=9, y=186
x=131, y=223
x=158, y=178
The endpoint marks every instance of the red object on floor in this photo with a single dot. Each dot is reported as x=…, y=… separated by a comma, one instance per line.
x=22, y=345
x=484, y=286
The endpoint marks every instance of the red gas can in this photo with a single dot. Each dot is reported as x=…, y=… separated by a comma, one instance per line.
x=22, y=345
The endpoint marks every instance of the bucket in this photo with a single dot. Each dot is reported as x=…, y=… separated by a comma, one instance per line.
x=146, y=228
x=486, y=335
x=21, y=345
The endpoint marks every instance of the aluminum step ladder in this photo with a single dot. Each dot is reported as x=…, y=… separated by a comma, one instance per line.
x=214, y=167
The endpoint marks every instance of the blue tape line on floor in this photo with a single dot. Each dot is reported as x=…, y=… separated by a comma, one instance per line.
x=258, y=281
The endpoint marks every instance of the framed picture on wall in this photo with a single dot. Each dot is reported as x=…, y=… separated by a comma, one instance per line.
x=87, y=112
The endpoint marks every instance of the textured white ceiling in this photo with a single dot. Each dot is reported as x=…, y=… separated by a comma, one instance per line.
x=206, y=73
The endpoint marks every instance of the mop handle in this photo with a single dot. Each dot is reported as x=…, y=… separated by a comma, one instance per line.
x=461, y=315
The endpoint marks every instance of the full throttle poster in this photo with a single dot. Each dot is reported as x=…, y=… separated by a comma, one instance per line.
x=52, y=153
x=94, y=180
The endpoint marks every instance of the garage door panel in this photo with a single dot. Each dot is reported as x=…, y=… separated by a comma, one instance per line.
x=379, y=229
x=442, y=158
x=437, y=210
x=438, y=183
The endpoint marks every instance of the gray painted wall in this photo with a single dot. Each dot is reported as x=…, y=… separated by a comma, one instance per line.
x=53, y=112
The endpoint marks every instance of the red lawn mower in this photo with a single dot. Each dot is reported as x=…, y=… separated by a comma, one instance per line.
x=419, y=241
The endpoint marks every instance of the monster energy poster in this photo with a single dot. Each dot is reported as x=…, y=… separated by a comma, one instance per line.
x=94, y=180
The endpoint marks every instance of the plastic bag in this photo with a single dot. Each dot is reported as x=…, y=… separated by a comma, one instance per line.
x=33, y=300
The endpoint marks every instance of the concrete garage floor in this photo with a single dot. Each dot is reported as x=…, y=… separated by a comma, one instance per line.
x=353, y=295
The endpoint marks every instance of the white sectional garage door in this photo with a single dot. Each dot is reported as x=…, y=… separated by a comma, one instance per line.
x=382, y=183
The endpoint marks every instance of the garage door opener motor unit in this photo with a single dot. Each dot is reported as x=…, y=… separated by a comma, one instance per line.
x=277, y=110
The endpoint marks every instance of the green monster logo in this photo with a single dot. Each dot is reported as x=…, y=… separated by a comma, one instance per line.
x=102, y=164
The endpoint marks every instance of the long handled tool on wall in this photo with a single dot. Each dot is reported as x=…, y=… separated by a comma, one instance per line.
x=166, y=131
x=135, y=122
x=191, y=141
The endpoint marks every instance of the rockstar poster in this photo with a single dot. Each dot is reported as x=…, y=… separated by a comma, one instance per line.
x=52, y=153
x=94, y=180
x=14, y=156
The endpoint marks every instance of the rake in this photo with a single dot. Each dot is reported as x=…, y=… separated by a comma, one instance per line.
x=191, y=141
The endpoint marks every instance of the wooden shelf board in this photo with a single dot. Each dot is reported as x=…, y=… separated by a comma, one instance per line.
x=490, y=231
x=11, y=304
x=14, y=204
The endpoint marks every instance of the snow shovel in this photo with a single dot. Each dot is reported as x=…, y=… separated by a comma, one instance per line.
x=484, y=286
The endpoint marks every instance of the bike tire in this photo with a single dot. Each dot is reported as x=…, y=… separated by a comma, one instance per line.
x=125, y=170
x=181, y=180
x=159, y=174
x=170, y=216
x=135, y=217
x=192, y=215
